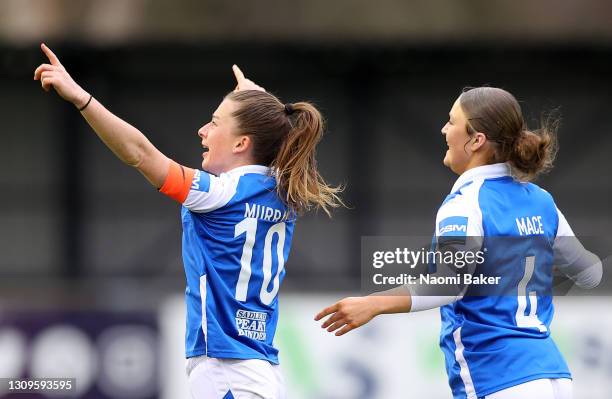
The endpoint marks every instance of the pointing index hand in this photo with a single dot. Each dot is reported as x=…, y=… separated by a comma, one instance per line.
x=243, y=83
x=51, y=55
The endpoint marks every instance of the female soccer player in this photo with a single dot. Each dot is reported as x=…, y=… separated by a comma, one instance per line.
x=497, y=346
x=238, y=216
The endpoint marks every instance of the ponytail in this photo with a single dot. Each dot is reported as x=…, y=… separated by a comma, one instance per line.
x=285, y=138
x=298, y=180
x=533, y=152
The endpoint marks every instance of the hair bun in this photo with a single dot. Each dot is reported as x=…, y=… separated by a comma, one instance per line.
x=533, y=152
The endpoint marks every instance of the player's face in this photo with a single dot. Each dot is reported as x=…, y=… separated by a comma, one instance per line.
x=456, y=135
x=219, y=138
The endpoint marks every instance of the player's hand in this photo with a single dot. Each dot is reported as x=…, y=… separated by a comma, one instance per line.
x=54, y=75
x=348, y=314
x=243, y=83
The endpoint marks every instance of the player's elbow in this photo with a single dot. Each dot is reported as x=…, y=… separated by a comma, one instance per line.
x=133, y=160
x=138, y=154
x=592, y=275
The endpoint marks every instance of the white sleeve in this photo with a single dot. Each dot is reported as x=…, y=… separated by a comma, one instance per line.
x=573, y=260
x=459, y=226
x=460, y=216
x=209, y=192
x=197, y=190
x=459, y=229
x=426, y=302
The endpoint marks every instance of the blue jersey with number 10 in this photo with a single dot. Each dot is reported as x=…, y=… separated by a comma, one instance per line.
x=236, y=240
x=495, y=341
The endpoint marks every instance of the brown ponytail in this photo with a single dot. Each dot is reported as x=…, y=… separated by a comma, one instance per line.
x=285, y=138
x=533, y=153
x=496, y=113
x=296, y=166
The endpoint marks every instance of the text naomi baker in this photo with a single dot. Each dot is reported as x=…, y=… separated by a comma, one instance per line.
x=477, y=279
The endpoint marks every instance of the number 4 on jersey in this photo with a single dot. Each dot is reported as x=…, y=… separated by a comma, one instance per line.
x=531, y=320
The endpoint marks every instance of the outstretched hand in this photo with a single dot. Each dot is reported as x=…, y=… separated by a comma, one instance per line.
x=54, y=75
x=348, y=314
x=243, y=83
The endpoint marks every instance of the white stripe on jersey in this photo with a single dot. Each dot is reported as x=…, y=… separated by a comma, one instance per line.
x=203, y=297
x=465, y=371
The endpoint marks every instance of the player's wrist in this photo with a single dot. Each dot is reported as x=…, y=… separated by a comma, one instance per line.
x=82, y=101
x=390, y=304
x=379, y=305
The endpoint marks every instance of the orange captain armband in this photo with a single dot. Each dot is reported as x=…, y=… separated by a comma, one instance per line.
x=178, y=182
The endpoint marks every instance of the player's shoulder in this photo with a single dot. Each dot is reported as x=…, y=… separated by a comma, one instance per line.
x=545, y=203
x=509, y=187
x=460, y=213
x=209, y=192
x=207, y=182
x=248, y=185
x=463, y=199
x=544, y=194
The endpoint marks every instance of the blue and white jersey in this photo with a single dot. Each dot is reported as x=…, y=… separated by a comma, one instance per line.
x=236, y=239
x=491, y=342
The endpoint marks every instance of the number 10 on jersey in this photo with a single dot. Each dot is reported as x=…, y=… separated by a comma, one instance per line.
x=249, y=226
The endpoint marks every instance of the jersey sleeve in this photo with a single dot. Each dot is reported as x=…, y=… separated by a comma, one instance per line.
x=563, y=229
x=572, y=259
x=458, y=218
x=197, y=190
x=458, y=230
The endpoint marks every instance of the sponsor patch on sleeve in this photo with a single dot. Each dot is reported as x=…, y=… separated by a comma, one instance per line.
x=201, y=181
x=453, y=229
x=453, y=226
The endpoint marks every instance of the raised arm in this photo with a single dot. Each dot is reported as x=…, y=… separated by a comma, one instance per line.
x=127, y=142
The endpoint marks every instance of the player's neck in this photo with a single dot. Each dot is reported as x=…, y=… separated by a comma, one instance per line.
x=238, y=162
x=475, y=161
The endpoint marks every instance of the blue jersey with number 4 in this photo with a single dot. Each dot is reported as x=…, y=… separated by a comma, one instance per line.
x=502, y=338
x=236, y=240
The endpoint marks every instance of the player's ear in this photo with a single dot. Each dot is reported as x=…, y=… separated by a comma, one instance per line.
x=242, y=144
x=478, y=140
